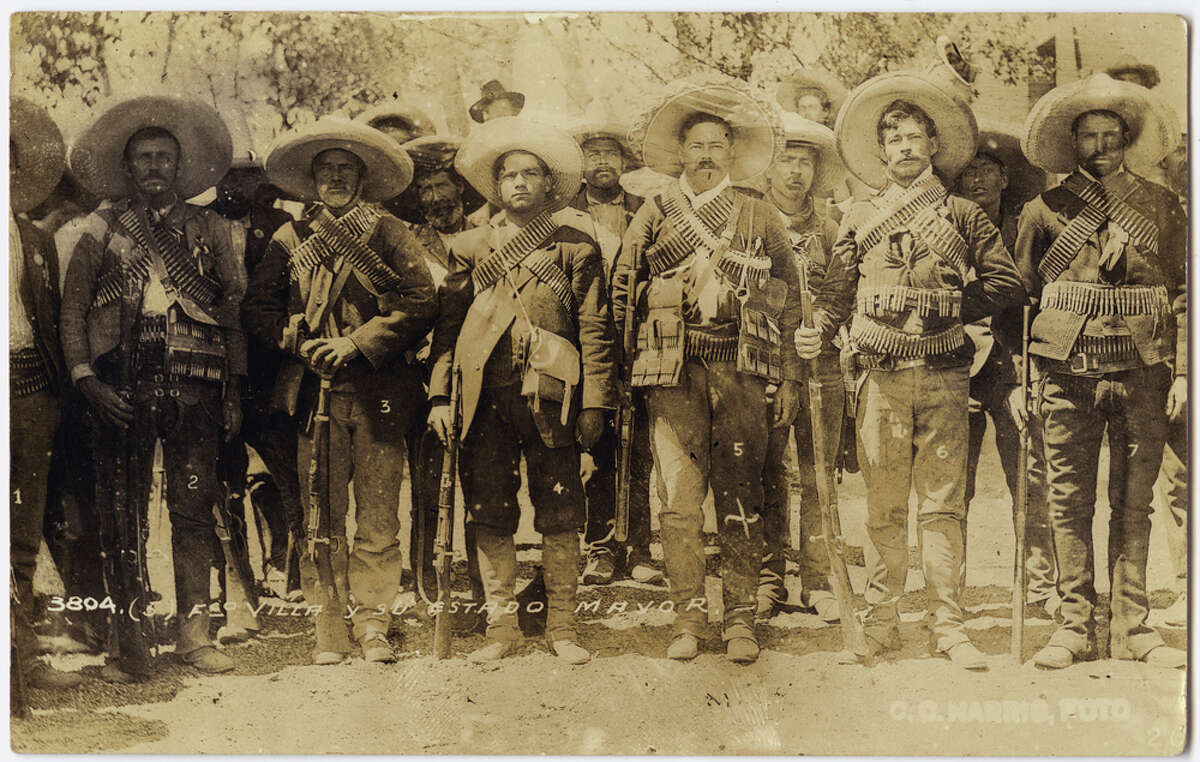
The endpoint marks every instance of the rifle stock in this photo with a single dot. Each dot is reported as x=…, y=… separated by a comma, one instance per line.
x=1021, y=512
x=444, y=541
x=853, y=637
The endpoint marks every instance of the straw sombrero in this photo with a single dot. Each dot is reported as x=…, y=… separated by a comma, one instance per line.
x=757, y=130
x=858, y=141
x=289, y=160
x=493, y=91
x=830, y=169
x=789, y=90
x=205, y=146
x=432, y=153
x=39, y=155
x=496, y=137
x=1024, y=180
x=585, y=131
x=415, y=120
x=1153, y=126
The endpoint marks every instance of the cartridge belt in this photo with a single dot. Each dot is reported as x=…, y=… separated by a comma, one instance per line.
x=884, y=301
x=877, y=338
x=1093, y=299
x=704, y=346
x=27, y=372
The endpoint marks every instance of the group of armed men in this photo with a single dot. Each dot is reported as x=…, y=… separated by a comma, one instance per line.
x=505, y=293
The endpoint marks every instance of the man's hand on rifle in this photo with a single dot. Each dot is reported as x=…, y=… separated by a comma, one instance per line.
x=1016, y=407
x=589, y=427
x=329, y=355
x=1177, y=398
x=106, y=402
x=441, y=419
x=808, y=342
x=785, y=403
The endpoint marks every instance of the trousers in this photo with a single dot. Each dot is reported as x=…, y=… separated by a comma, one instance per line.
x=711, y=431
x=601, y=489
x=1075, y=411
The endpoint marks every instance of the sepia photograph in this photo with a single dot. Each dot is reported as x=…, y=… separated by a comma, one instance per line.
x=598, y=383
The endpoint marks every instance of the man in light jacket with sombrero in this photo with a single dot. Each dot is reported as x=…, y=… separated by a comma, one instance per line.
x=902, y=265
x=524, y=325
x=163, y=275
x=716, y=289
x=345, y=292
x=1104, y=259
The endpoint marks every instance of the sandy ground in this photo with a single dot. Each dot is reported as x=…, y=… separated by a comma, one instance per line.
x=797, y=699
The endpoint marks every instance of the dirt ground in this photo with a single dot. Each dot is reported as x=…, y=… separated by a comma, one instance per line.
x=797, y=699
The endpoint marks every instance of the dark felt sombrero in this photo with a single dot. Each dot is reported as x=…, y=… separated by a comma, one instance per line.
x=430, y=154
x=491, y=92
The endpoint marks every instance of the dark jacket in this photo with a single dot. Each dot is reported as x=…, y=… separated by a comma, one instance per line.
x=382, y=325
x=40, y=296
x=1159, y=338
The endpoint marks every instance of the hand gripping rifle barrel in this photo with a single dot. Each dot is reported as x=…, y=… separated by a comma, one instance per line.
x=1021, y=512
x=853, y=637
x=444, y=540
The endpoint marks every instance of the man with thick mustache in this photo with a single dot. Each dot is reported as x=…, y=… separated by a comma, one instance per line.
x=720, y=287
x=1104, y=259
x=525, y=334
x=345, y=293
x=901, y=265
x=164, y=275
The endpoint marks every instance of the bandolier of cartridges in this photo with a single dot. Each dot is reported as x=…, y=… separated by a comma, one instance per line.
x=333, y=238
x=870, y=336
x=1091, y=299
x=886, y=301
x=27, y=372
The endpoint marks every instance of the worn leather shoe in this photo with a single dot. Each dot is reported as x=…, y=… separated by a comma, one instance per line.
x=327, y=658
x=683, y=647
x=826, y=606
x=111, y=673
x=208, y=659
x=569, y=651
x=42, y=675
x=376, y=648
x=1166, y=657
x=967, y=656
x=599, y=569
x=741, y=650
x=1054, y=657
x=646, y=574
x=492, y=651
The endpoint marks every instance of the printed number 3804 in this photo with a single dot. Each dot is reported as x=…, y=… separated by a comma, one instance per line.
x=75, y=603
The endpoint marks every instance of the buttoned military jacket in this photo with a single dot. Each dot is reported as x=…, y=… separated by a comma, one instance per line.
x=382, y=324
x=1054, y=331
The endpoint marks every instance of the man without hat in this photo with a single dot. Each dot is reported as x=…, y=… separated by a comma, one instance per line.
x=344, y=293
x=1104, y=259
x=152, y=340
x=524, y=326
x=901, y=266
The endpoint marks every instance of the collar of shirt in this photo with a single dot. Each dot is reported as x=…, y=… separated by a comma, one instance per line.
x=894, y=189
x=700, y=199
x=617, y=200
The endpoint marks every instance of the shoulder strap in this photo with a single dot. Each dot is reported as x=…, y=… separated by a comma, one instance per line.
x=178, y=265
x=690, y=228
x=346, y=237
x=490, y=270
x=941, y=236
x=915, y=198
x=1099, y=205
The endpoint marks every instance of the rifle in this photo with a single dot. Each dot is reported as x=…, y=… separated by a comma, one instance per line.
x=625, y=412
x=444, y=541
x=320, y=541
x=853, y=636
x=1022, y=500
x=231, y=471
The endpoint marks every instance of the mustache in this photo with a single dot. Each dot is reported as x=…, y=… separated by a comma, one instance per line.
x=706, y=164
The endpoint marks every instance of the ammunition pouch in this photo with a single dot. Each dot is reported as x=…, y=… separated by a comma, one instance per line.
x=182, y=348
x=659, y=358
x=759, y=339
x=552, y=372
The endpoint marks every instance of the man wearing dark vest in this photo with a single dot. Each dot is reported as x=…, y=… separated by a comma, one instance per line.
x=524, y=326
x=36, y=161
x=152, y=339
x=901, y=265
x=345, y=293
x=808, y=167
x=716, y=289
x=606, y=156
x=1104, y=259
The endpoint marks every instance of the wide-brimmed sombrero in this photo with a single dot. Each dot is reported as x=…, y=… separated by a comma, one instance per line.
x=494, y=91
x=477, y=156
x=1127, y=64
x=757, y=129
x=1001, y=142
x=858, y=141
x=289, y=160
x=588, y=130
x=205, y=147
x=39, y=155
x=791, y=88
x=414, y=119
x=432, y=153
x=830, y=169
x=1153, y=125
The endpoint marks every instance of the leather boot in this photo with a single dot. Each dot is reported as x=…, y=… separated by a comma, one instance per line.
x=191, y=556
x=498, y=571
x=560, y=561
